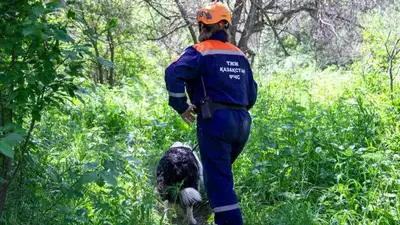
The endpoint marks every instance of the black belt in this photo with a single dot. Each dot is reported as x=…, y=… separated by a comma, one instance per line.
x=220, y=106
x=227, y=106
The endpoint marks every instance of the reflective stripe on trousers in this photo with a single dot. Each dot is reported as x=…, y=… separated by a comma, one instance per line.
x=225, y=208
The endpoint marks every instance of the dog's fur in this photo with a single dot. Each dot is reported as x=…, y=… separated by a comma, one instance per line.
x=180, y=167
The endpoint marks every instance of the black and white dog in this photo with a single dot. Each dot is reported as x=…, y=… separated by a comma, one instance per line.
x=180, y=168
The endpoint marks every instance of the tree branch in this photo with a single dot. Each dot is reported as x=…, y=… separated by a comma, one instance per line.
x=23, y=150
x=158, y=11
x=351, y=22
x=167, y=34
x=288, y=14
x=392, y=54
x=272, y=27
x=188, y=23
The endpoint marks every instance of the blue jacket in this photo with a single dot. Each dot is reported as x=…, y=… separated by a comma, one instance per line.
x=225, y=70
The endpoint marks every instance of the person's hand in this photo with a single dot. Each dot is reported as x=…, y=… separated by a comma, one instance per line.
x=189, y=115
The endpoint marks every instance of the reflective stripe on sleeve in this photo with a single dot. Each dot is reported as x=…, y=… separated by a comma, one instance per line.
x=221, y=52
x=226, y=208
x=177, y=95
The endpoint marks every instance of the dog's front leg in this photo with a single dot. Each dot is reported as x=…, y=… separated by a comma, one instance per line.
x=189, y=212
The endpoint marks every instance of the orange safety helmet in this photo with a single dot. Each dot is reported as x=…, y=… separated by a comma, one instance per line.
x=214, y=13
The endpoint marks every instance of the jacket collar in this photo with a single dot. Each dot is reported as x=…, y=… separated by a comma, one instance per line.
x=219, y=36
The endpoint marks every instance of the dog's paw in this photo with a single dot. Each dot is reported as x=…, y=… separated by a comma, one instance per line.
x=193, y=222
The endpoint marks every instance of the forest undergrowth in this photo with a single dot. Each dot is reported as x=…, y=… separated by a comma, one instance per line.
x=84, y=115
x=323, y=150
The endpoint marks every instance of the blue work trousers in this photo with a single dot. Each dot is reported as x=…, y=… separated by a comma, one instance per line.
x=221, y=140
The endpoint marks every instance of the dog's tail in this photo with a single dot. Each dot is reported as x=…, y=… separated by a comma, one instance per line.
x=190, y=196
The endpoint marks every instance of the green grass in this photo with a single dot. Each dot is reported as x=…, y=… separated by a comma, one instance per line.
x=323, y=150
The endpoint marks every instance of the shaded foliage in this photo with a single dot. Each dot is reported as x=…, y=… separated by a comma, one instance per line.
x=324, y=142
x=39, y=62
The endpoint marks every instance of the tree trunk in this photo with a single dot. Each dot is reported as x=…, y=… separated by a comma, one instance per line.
x=97, y=52
x=112, y=57
x=3, y=190
x=239, y=4
x=244, y=39
x=391, y=77
x=392, y=55
x=5, y=171
x=99, y=65
x=6, y=118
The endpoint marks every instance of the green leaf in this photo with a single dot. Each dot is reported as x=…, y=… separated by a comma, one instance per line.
x=8, y=142
x=89, y=177
x=85, y=49
x=63, y=36
x=210, y=218
x=138, y=172
x=91, y=165
x=8, y=127
x=109, y=178
x=14, y=138
x=54, y=5
x=52, y=174
x=71, y=54
x=132, y=160
x=71, y=91
x=3, y=181
x=37, y=10
x=112, y=23
x=71, y=14
x=80, y=99
x=66, y=209
x=104, y=206
x=44, y=36
x=36, y=115
x=72, y=174
x=105, y=62
x=100, y=182
x=82, y=211
x=109, y=165
x=7, y=149
x=27, y=31
x=13, y=95
x=348, y=153
x=89, y=32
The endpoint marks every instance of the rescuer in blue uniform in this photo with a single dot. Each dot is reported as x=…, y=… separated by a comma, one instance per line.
x=219, y=82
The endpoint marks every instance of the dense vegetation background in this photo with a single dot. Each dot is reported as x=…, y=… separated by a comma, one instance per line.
x=84, y=115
